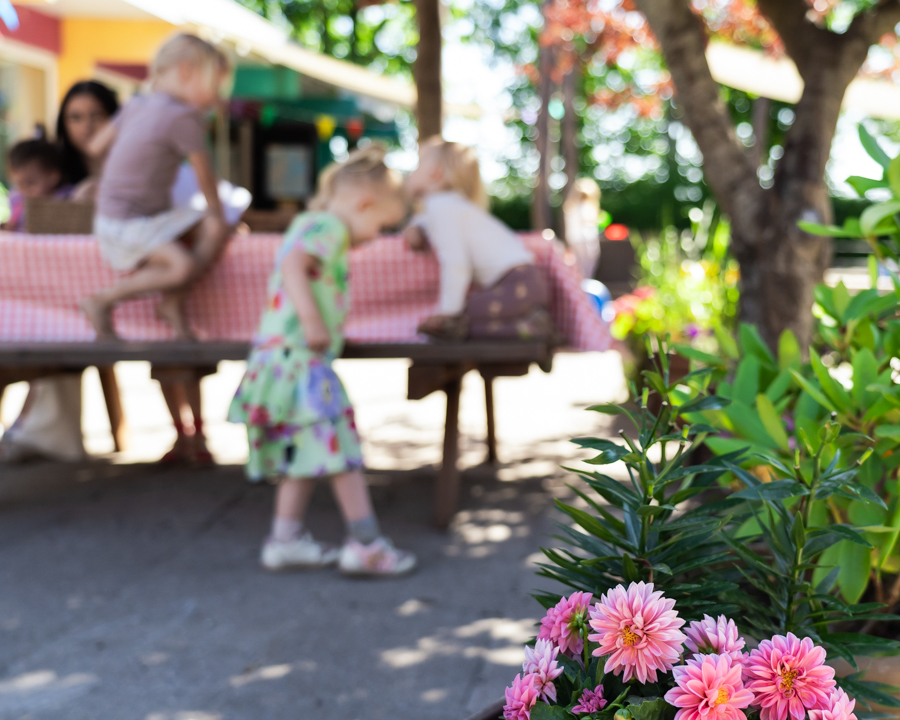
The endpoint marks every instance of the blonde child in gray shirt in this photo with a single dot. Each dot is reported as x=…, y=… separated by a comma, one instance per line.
x=164, y=249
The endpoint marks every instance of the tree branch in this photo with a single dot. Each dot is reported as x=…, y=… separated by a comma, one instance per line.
x=791, y=22
x=879, y=21
x=727, y=167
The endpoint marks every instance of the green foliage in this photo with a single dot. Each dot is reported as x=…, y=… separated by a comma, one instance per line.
x=633, y=531
x=688, y=284
x=380, y=37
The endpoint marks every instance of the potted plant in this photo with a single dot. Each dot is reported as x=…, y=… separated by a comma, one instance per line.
x=669, y=613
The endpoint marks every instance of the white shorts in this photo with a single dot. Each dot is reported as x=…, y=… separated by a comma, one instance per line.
x=125, y=243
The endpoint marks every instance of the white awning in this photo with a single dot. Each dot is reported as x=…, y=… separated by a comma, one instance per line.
x=250, y=33
x=777, y=78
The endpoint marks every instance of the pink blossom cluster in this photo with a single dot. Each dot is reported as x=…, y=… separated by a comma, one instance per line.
x=639, y=633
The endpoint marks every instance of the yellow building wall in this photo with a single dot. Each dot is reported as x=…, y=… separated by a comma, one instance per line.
x=87, y=41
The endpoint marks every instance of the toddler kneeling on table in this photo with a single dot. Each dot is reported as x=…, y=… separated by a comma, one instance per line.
x=300, y=424
x=472, y=245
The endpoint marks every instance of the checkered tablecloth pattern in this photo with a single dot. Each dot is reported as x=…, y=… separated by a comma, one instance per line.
x=42, y=277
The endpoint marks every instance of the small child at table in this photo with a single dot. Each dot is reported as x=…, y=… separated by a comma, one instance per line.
x=163, y=249
x=35, y=171
x=300, y=424
x=472, y=245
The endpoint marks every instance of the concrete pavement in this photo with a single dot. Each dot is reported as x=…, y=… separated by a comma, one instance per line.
x=133, y=591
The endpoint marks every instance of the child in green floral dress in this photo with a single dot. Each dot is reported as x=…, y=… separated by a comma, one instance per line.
x=299, y=421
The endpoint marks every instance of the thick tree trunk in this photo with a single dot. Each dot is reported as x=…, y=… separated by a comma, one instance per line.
x=569, y=139
x=780, y=265
x=427, y=69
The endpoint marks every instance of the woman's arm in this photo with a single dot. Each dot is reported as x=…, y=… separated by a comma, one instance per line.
x=295, y=270
x=101, y=142
x=206, y=179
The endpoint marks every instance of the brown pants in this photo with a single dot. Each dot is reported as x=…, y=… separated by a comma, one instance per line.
x=513, y=308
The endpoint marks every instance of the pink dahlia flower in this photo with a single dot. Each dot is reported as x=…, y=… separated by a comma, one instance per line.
x=562, y=624
x=520, y=698
x=715, y=637
x=709, y=687
x=639, y=631
x=788, y=676
x=591, y=701
x=840, y=707
x=540, y=661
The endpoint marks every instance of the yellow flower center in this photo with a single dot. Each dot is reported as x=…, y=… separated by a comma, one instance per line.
x=787, y=679
x=629, y=638
x=722, y=697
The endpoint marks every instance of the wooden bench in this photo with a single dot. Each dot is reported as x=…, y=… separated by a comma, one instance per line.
x=435, y=367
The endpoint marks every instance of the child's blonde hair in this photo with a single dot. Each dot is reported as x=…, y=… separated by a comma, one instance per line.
x=364, y=167
x=191, y=50
x=461, y=169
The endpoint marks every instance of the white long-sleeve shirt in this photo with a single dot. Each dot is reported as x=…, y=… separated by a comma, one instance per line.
x=471, y=245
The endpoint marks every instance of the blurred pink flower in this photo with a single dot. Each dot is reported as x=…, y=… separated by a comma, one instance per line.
x=562, y=623
x=840, y=707
x=520, y=698
x=540, y=661
x=639, y=631
x=716, y=637
x=788, y=676
x=591, y=701
x=709, y=687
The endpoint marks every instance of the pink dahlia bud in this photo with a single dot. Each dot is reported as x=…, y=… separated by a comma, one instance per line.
x=709, y=687
x=639, y=631
x=540, y=661
x=563, y=623
x=591, y=701
x=715, y=637
x=788, y=676
x=520, y=698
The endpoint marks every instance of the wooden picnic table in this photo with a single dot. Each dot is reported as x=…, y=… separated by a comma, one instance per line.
x=434, y=367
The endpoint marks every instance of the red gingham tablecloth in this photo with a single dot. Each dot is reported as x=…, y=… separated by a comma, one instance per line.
x=42, y=277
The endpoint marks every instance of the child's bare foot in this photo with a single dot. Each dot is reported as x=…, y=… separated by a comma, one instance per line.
x=199, y=452
x=171, y=311
x=99, y=315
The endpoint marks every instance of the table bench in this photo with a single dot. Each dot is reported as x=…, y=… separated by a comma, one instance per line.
x=434, y=367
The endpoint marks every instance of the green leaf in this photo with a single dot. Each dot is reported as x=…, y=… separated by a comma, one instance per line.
x=862, y=185
x=772, y=422
x=710, y=402
x=841, y=299
x=888, y=431
x=752, y=344
x=698, y=355
x=831, y=387
x=746, y=381
x=788, y=351
x=870, y=221
x=776, y=490
x=872, y=148
x=543, y=711
x=865, y=372
x=648, y=708
x=853, y=577
x=813, y=391
x=820, y=230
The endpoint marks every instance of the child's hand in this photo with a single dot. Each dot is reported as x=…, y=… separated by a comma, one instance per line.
x=415, y=238
x=318, y=339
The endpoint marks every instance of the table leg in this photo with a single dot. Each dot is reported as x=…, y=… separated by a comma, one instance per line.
x=446, y=491
x=114, y=407
x=491, y=427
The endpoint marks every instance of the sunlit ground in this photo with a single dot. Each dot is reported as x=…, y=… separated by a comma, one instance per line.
x=133, y=591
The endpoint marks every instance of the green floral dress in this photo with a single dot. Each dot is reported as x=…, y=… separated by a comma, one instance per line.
x=299, y=421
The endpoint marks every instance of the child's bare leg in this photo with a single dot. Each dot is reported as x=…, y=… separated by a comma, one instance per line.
x=171, y=311
x=207, y=241
x=291, y=501
x=352, y=494
x=174, y=397
x=199, y=451
x=167, y=268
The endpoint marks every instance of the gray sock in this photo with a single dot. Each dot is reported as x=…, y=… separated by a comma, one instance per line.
x=285, y=529
x=365, y=530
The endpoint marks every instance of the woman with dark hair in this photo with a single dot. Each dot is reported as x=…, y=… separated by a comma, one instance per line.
x=87, y=107
x=50, y=422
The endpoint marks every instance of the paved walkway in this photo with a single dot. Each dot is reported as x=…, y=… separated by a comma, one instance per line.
x=133, y=592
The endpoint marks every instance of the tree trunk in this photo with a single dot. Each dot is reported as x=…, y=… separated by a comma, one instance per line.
x=541, y=216
x=427, y=69
x=569, y=138
x=780, y=264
